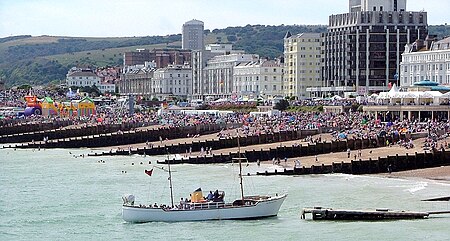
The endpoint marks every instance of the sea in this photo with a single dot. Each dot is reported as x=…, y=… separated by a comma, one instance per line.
x=62, y=194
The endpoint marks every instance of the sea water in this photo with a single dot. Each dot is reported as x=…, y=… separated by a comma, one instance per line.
x=58, y=194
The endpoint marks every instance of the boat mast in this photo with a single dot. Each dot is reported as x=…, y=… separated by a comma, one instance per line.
x=240, y=168
x=170, y=178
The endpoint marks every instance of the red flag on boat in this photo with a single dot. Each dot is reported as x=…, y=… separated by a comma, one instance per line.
x=149, y=172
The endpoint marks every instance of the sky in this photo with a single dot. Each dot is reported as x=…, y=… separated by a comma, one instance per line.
x=127, y=18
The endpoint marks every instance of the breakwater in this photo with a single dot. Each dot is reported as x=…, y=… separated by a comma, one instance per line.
x=293, y=151
x=75, y=131
x=397, y=163
x=215, y=144
x=12, y=127
x=126, y=137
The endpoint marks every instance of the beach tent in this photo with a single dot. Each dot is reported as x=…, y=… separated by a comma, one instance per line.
x=85, y=107
x=48, y=107
x=336, y=97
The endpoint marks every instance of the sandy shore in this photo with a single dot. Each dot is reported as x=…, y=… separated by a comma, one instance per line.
x=438, y=173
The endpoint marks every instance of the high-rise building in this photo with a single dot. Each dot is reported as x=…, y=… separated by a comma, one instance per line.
x=363, y=48
x=302, y=64
x=192, y=35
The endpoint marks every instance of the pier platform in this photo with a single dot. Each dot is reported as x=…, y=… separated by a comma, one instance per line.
x=319, y=213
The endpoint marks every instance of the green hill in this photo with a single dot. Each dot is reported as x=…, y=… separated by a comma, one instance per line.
x=40, y=60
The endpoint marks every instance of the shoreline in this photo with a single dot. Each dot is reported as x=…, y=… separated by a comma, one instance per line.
x=441, y=174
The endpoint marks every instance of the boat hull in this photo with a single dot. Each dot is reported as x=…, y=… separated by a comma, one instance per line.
x=264, y=208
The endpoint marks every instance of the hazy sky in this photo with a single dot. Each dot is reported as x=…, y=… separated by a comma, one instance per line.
x=109, y=18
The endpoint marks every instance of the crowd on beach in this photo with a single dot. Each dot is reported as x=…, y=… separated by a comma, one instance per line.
x=342, y=125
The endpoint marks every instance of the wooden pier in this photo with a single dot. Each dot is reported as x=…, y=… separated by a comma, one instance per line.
x=319, y=213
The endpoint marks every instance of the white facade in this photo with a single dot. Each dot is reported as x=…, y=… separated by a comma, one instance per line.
x=82, y=79
x=258, y=79
x=173, y=81
x=377, y=5
x=218, y=74
x=107, y=88
x=219, y=47
x=432, y=64
x=199, y=62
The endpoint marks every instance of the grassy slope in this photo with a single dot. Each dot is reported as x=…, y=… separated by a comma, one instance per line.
x=102, y=57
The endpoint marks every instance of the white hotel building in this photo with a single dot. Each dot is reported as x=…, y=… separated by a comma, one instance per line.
x=258, y=79
x=172, y=81
x=87, y=78
x=426, y=61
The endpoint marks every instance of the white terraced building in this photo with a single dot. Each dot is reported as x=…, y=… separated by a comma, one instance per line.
x=172, y=81
x=258, y=79
x=218, y=75
x=426, y=60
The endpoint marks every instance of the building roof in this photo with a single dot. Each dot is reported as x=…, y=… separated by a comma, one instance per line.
x=194, y=22
x=443, y=44
x=82, y=73
x=288, y=34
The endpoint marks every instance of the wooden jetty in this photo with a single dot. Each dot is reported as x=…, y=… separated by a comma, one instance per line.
x=439, y=199
x=319, y=213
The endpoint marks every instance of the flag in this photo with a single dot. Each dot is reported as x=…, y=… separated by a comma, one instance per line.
x=149, y=172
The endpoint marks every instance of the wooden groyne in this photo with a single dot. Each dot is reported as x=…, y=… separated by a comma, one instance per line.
x=24, y=127
x=75, y=131
x=395, y=163
x=281, y=152
x=215, y=144
x=125, y=137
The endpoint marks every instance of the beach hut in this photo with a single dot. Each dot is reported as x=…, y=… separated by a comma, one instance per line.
x=85, y=107
x=48, y=107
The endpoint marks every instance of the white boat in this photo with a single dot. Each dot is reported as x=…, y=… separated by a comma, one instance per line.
x=254, y=207
x=199, y=209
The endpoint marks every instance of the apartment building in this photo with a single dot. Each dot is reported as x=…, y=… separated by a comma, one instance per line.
x=302, y=64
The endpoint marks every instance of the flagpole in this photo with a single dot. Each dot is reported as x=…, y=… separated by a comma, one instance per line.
x=240, y=167
x=170, y=178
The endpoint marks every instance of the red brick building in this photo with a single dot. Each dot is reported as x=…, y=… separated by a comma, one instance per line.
x=162, y=57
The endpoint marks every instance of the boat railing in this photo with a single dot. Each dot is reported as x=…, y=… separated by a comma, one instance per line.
x=209, y=205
